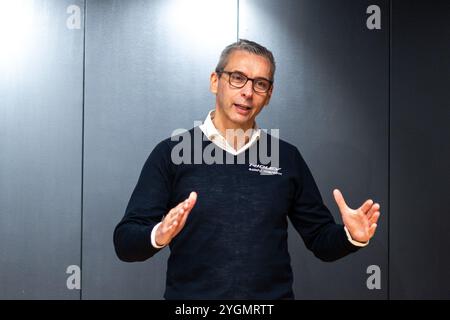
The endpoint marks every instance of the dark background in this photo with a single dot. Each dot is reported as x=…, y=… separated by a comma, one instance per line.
x=81, y=109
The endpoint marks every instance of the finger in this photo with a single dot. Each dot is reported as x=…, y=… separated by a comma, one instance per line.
x=176, y=221
x=366, y=206
x=186, y=209
x=181, y=209
x=188, y=204
x=178, y=211
x=372, y=210
x=192, y=199
x=170, y=223
x=175, y=210
x=339, y=198
x=173, y=213
x=372, y=229
x=181, y=219
x=374, y=218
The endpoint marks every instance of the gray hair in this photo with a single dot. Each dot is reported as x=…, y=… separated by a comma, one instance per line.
x=248, y=46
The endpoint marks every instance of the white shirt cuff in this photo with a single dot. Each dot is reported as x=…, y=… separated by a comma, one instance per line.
x=153, y=236
x=356, y=243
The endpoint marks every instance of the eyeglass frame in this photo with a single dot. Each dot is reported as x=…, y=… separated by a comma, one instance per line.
x=229, y=73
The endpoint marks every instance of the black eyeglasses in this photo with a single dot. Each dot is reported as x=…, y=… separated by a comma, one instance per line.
x=239, y=80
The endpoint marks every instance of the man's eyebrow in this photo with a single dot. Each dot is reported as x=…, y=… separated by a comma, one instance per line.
x=235, y=70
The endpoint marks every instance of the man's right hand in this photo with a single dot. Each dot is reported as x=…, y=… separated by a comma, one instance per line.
x=174, y=221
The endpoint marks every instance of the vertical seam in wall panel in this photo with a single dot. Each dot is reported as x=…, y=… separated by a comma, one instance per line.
x=389, y=151
x=82, y=152
x=237, y=25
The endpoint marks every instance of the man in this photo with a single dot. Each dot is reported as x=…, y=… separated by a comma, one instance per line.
x=231, y=241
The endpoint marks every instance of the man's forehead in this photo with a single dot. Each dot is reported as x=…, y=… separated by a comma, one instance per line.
x=249, y=63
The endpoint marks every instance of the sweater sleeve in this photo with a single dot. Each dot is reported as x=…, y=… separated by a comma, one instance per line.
x=148, y=204
x=312, y=219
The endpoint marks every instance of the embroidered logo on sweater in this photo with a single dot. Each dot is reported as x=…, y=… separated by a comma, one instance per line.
x=264, y=170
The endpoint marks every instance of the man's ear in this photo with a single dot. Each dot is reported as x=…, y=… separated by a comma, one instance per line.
x=213, y=82
x=269, y=95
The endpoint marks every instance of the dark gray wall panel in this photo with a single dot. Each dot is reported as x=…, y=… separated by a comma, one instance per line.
x=41, y=87
x=420, y=150
x=147, y=70
x=147, y=73
x=331, y=101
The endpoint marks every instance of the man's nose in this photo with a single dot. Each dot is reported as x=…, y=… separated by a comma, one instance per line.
x=247, y=90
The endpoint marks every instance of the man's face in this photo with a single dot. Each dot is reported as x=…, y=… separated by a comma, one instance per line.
x=239, y=106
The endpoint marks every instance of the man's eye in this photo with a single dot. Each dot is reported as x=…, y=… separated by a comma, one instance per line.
x=238, y=77
x=262, y=84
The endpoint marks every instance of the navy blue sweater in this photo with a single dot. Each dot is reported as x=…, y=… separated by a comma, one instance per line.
x=234, y=243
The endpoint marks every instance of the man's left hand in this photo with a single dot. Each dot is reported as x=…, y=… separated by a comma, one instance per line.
x=361, y=223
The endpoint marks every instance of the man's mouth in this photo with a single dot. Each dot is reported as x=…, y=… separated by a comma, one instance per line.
x=242, y=107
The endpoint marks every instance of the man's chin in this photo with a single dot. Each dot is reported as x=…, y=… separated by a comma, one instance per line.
x=241, y=121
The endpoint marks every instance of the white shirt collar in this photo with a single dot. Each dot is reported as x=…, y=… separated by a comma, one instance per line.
x=211, y=132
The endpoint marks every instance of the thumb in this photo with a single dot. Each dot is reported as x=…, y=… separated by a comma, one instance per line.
x=339, y=198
